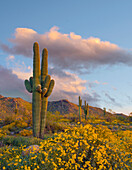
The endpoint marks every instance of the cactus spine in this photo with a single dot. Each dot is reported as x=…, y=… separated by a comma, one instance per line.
x=41, y=86
x=80, y=104
x=86, y=109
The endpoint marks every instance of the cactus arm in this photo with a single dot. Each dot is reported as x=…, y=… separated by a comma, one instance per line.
x=51, y=86
x=31, y=81
x=86, y=109
x=45, y=85
x=44, y=64
x=28, y=86
x=36, y=98
x=46, y=82
x=44, y=91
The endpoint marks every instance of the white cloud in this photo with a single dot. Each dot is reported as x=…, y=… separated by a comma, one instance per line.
x=22, y=75
x=67, y=85
x=11, y=85
x=68, y=51
x=20, y=69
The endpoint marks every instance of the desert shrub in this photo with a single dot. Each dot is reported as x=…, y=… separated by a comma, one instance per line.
x=27, y=118
x=9, y=126
x=64, y=120
x=55, y=126
x=8, y=120
x=26, y=132
x=1, y=122
x=20, y=124
x=72, y=117
x=18, y=141
x=2, y=133
x=15, y=126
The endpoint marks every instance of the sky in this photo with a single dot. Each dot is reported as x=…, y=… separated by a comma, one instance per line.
x=89, y=47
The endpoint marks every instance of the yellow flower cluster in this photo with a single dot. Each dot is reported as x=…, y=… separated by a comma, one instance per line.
x=25, y=132
x=80, y=147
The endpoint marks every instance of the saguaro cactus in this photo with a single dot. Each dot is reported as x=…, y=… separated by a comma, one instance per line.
x=86, y=109
x=80, y=104
x=41, y=86
x=47, y=86
x=16, y=110
x=104, y=111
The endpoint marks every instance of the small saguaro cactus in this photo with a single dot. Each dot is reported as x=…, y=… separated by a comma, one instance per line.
x=104, y=111
x=16, y=110
x=80, y=104
x=41, y=86
x=86, y=109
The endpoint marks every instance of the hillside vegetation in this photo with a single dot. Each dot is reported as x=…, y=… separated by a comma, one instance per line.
x=99, y=142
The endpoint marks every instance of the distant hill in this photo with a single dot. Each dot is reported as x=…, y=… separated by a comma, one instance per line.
x=7, y=107
x=8, y=104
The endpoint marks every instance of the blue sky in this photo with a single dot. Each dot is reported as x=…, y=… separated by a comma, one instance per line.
x=89, y=44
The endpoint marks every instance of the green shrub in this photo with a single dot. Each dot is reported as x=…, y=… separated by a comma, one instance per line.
x=18, y=141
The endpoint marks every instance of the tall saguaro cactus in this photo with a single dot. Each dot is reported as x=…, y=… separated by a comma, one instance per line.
x=80, y=104
x=86, y=109
x=41, y=86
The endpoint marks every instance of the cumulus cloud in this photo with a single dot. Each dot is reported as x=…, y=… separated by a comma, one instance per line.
x=67, y=85
x=11, y=85
x=70, y=86
x=68, y=51
x=19, y=68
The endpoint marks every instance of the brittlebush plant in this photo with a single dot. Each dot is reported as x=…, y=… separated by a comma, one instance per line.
x=88, y=147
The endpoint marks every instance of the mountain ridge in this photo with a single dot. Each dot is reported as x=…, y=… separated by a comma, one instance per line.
x=8, y=104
